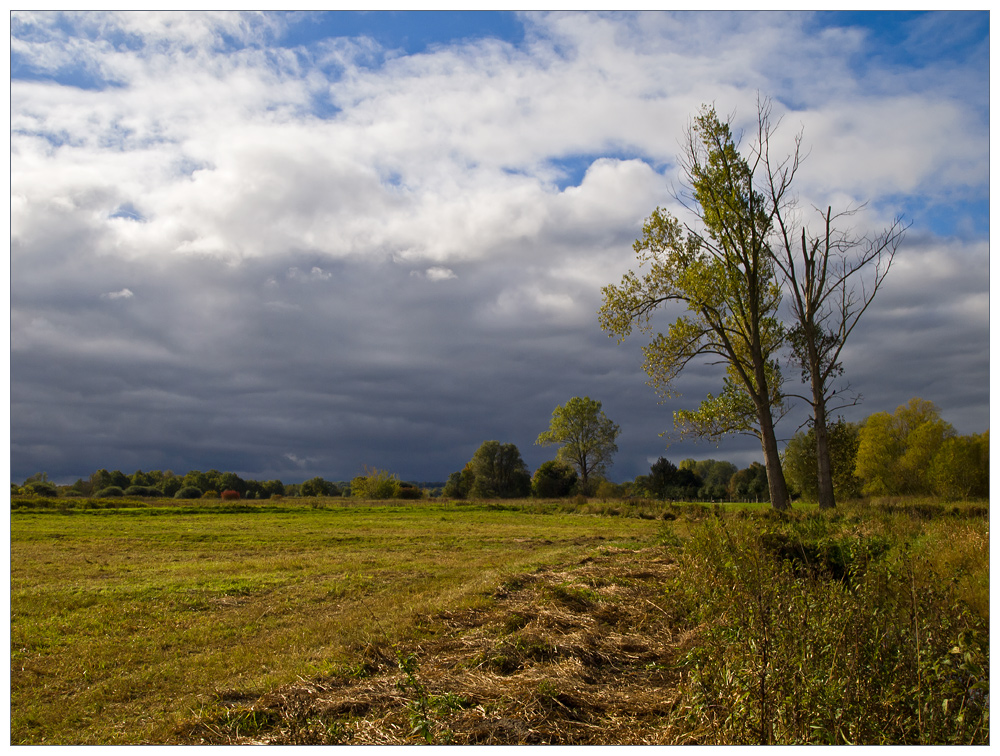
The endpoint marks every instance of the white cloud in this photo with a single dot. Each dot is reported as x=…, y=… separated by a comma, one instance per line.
x=440, y=274
x=123, y=294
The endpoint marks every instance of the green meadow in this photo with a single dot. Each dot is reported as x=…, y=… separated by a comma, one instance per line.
x=165, y=624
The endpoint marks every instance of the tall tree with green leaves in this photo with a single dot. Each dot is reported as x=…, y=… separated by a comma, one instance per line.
x=586, y=435
x=723, y=271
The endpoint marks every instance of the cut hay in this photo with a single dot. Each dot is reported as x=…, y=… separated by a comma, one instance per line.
x=580, y=654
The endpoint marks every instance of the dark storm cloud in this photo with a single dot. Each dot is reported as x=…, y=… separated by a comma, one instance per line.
x=294, y=294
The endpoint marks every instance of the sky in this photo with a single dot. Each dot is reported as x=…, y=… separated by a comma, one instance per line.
x=298, y=244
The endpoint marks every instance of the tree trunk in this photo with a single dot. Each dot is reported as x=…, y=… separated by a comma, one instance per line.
x=824, y=472
x=772, y=461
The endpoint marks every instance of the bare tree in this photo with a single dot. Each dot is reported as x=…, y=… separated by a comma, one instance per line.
x=832, y=276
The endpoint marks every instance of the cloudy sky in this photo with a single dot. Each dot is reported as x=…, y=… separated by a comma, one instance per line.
x=294, y=244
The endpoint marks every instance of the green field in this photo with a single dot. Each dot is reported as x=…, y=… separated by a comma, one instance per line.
x=164, y=624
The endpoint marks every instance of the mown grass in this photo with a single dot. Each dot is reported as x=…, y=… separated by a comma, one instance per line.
x=866, y=624
x=126, y=621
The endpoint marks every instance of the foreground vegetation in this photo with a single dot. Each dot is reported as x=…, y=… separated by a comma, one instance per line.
x=570, y=621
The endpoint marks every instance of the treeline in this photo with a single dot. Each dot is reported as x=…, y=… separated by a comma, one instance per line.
x=165, y=484
x=911, y=452
x=497, y=471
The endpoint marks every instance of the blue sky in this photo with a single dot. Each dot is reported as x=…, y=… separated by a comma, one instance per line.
x=294, y=244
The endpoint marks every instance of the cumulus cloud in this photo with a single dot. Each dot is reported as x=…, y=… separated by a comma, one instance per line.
x=354, y=256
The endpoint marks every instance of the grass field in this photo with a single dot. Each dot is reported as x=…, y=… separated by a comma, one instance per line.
x=523, y=622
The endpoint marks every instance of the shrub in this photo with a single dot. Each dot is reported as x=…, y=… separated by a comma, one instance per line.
x=210, y=495
x=375, y=485
x=230, y=495
x=553, y=479
x=608, y=490
x=409, y=491
x=188, y=492
x=109, y=492
x=41, y=488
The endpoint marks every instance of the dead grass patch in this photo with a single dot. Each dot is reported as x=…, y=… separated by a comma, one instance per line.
x=580, y=654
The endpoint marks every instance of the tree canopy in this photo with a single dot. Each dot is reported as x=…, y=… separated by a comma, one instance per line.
x=724, y=273
x=498, y=472
x=586, y=435
x=895, y=450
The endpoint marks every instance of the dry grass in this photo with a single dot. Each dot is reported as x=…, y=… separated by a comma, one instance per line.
x=581, y=654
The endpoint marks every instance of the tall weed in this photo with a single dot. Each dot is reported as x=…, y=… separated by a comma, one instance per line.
x=818, y=634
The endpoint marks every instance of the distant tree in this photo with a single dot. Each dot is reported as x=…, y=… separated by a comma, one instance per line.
x=408, y=491
x=40, y=485
x=714, y=475
x=318, y=487
x=662, y=477
x=103, y=479
x=499, y=472
x=272, y=488
x=139, y=478
x=231, y=482
x=188, y=492
x=895, y=451
x=750, y=484
x=586, y=435
x=459, y=483
x=197, y=479
x=553, y=479
x=83, y=487
x=100, y=479
x=214, y=479
x=799, y=461
x=961, y=467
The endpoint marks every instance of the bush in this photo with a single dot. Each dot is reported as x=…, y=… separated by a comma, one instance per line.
x=375, y=485
x=109, y=492
x=42, y=488
x=608, y=490
x=553, y=479
x=230, y=495
x=188, y=492
x=210, y=495
x=409, y=491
